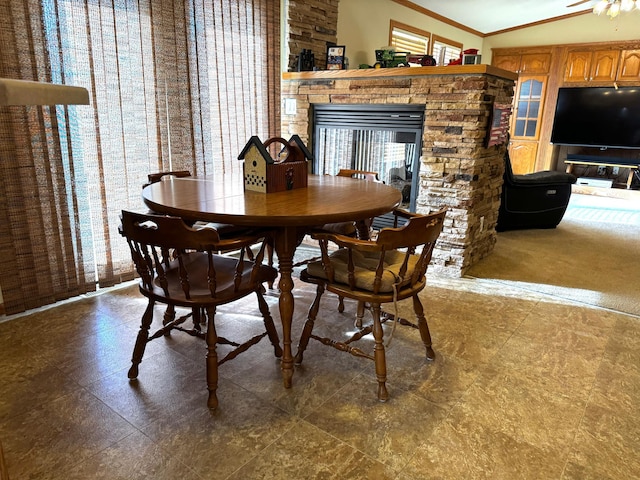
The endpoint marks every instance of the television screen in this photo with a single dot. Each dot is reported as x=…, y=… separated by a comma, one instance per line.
x=597, y=117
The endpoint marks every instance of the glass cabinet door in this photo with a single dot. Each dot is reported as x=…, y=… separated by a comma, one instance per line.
x=529, y=98
x=525, y=123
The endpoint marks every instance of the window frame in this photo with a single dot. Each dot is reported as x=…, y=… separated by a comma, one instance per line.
x=447, y=42
x=393, y=24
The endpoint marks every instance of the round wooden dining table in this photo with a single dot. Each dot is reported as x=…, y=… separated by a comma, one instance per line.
x=291, y=214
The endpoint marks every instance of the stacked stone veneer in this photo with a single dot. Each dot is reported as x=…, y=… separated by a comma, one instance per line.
x=457, y=171
x=312, y=26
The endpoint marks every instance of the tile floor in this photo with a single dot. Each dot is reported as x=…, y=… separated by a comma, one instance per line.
x=523, y=387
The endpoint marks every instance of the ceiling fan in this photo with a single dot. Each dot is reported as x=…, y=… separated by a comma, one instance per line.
x=611, y=7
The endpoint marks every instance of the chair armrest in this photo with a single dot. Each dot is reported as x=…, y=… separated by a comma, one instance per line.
x=399, y=212
x=156, y=177
x=547, y=177
x=347, y=242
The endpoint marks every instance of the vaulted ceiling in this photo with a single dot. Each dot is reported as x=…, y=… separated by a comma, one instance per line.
x=489, y=16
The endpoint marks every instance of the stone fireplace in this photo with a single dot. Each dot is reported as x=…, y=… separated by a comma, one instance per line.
x=457, y=170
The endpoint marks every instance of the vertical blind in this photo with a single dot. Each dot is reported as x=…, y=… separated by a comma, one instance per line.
x=412, y=42
x=174, y=84
x=444, y=50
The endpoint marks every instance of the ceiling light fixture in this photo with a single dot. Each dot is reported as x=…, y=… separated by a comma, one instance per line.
x=614, y=7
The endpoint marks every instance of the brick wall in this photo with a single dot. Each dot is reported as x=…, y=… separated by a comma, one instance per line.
x=312, y=23
x=457, y=171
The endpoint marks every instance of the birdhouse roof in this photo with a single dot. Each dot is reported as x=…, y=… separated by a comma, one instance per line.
x=256, y=142
x=303, y=147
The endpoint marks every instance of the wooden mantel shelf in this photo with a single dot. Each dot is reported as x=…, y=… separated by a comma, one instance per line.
x=400, y=72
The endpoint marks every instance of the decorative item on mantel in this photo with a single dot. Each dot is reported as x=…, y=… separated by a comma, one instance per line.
x=468, y=57
x=264, y=174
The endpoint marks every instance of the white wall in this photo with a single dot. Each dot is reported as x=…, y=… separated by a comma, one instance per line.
x=363, y=27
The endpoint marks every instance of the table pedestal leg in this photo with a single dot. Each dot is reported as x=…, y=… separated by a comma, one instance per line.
x=286, y=241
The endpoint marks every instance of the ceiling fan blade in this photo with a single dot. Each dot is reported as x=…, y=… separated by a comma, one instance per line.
x=578, y=3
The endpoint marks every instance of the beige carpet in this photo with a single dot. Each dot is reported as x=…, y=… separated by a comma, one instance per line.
x=592, y=257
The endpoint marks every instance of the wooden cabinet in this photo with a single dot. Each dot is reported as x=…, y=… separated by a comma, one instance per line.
x=546, y=69
x=527, y=63
x=533, y=66
x=604, y=65
x=578, y=67
x=629, y=69
x=592, y=66
x=535, y=63
x=523, y=156
x=525, y=122
x=507, y=62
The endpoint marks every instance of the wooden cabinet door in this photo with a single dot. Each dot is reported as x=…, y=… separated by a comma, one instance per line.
x=578, y=67
x=604, y=65
x=629, y=69
x=528, y=63
x=592, y=66
x=535, y=63
x=523, y=156
x=507, y=62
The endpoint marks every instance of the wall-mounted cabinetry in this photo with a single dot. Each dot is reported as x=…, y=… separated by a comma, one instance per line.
x=542, y=71
x=533, y=69
x=629, y=69
x=602, y=66
x=591, y=66
x=525, y=63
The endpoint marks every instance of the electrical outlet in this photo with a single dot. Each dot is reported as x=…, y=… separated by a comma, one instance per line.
x=615, y=170
x=602, y=171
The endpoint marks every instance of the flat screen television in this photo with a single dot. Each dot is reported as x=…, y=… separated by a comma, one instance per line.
x=604, y=117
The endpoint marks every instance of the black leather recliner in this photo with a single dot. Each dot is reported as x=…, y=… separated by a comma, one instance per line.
x=534, y=200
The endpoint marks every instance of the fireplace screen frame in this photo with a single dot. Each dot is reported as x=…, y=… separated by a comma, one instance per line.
x=371, y=124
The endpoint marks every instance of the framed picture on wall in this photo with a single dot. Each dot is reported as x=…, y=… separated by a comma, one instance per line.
x=335, y=57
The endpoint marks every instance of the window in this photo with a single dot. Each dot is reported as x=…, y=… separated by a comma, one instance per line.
x=444, y=50
x=166, y=92
x=408, y=39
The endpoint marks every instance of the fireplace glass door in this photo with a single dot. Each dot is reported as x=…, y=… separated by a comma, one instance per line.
x=385, y=139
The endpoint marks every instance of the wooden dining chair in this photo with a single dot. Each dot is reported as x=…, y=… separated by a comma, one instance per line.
x=373, y=272
x=225, y=230
x=158, y=176
x=359, y=229
x=182, y=267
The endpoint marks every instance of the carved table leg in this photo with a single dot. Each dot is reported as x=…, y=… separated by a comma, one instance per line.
x=286, y=241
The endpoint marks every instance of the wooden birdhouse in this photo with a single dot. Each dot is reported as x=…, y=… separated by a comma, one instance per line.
x=264, y=174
